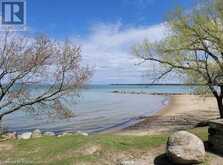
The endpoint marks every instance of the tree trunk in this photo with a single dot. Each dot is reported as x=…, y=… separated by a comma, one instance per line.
x=220, y=106
x=1, y=126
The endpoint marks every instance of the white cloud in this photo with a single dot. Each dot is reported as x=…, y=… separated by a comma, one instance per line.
x=107, y=48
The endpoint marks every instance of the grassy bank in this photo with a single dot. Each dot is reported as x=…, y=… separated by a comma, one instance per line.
x=96, y=149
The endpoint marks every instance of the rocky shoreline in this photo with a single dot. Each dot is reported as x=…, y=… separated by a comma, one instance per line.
x=181, y=112
x=38, y=134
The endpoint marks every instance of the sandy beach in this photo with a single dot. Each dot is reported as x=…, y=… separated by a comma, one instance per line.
x=182, y=112
x=189, y=104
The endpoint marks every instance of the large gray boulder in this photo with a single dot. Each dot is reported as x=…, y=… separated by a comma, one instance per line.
x=185, y=148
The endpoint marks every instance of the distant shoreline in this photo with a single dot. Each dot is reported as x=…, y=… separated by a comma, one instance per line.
x=160, y=84
x=151, y=93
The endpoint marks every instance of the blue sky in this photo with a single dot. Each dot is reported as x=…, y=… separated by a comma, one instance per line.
x=106, y=30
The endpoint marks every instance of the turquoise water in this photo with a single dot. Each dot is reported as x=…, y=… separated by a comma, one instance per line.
x=98, y=109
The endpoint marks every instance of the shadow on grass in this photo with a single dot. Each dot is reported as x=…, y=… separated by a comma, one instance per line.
x=162, y=160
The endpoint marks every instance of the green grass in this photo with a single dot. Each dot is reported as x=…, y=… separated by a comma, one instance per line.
x=69, y=149
x=130, y=142
x=200, y=132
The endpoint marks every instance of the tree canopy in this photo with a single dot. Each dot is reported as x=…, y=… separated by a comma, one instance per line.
x=193, y=47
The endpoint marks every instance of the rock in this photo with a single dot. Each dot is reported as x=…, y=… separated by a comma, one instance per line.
x=25, y=136
x=36, y=133
x=148, y=160
x=185, y=148
x=49, y=134
x=11, y=135
x=127, y=162
x=66, y=134
x=82, y=133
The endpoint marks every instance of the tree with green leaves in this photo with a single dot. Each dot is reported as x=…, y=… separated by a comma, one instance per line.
x=193, y=48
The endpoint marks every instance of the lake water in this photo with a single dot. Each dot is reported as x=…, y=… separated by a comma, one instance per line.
x=98, y=109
